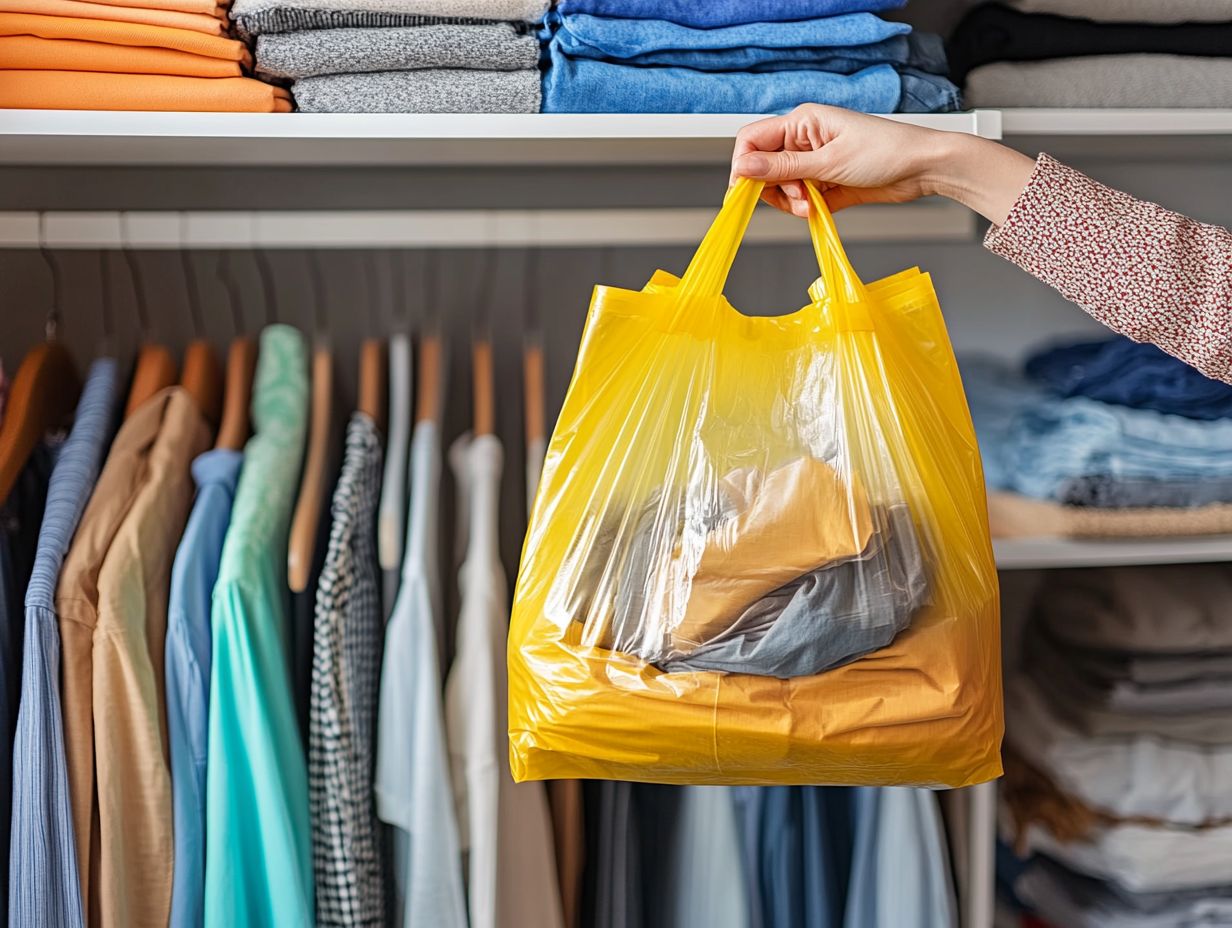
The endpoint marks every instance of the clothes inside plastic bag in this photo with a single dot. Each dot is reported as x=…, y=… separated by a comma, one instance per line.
x=759, y=551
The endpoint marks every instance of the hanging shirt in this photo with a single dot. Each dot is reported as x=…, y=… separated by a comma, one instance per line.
x=188, y=672
x=258, y=857
x=505, y=827
x=705, y=862
x=20, y=519
x=901, y=864
x=391, y=521
x=412, y=763
x=346, y=663
x=44, y=883
x=112, y=604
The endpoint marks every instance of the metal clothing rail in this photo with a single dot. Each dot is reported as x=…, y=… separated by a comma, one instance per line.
x=499, y=228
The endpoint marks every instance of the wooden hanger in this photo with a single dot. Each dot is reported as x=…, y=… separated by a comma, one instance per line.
x=155, y=370
x=234, y=428
x=428, y=405
x=45, y=389
x=485, y=415
x=304, y=524
x=372, y=380
x=202, y=375
x=532, y=375
x=301, y=549
x=43, y=395
x=202, y=378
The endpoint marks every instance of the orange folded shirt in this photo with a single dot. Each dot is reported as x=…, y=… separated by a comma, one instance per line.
x=30, y=53
x=130, y=34
x=184, y=6
x=82, y=90
x=207, y=23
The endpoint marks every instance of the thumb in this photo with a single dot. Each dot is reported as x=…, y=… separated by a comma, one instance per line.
x=777, y=165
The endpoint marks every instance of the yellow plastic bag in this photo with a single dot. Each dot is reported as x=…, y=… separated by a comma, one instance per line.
x=759, y=551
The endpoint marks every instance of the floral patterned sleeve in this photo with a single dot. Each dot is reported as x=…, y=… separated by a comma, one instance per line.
x=1138, y=268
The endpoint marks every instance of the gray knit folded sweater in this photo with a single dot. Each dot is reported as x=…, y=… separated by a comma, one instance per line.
x=495, y=47
x=424, y=91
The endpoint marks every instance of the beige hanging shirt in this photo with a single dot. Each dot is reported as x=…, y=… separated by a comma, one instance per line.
x=112, y=604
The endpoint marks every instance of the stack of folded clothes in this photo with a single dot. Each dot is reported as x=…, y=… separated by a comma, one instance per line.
x=724, y=56
x=1103, y=439
x=126, y=55
x=399, y=56
x=1078, y=53
x=1119, y=750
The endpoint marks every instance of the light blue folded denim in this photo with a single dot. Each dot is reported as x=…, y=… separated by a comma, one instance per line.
x=922, y=51
x=927, y=93
x=580, y=85
x=707, y=14
x=584, y=36
x=1035, y=443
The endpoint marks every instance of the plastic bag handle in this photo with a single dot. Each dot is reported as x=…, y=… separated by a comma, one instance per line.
x=712, y=262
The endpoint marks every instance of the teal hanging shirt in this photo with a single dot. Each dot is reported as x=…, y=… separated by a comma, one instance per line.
x=258, y=864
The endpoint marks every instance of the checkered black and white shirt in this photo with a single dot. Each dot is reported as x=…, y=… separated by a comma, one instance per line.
x=346, y=665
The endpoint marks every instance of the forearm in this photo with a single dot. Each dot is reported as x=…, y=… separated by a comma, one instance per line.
x=1140, y=269
x=980, y=174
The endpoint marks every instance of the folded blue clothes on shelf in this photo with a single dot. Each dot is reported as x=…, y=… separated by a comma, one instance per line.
x=1037, y=443
x=840, y=44
x=707, y=14
x=583, y=85
x=1128, y=373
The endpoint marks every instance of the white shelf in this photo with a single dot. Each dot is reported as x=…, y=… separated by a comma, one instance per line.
x=53, y=137
x=1047, y=553
x=1122, y=122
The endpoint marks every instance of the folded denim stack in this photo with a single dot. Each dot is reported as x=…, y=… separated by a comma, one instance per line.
x=635, y=56
x=126, y=55
x=1073, y=53
x=1119, y=749
x=1103, y=439
x=399, y=56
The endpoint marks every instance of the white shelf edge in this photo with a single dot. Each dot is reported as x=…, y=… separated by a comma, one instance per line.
x=1126, y=122
x=1054, y=553
x=64, y=137
x=549, y=228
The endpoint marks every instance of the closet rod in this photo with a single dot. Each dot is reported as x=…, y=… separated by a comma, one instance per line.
x=550, y=228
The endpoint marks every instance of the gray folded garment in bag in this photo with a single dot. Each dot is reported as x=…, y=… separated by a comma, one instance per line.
x=1066, y=898
x=824, y=619
x=425, y=91
x=1103, y=81
x=495, y=47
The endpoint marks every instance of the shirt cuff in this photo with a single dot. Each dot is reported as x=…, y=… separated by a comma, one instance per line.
x=1026, y=222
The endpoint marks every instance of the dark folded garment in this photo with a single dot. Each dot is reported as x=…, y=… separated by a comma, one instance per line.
x=1128, y=373
x=1108, y=492
x=992, y=33
x=297, y=19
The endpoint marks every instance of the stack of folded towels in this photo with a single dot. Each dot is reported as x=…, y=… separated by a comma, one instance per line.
x=126, y=55
x=1102, y=439
x=1095, y=53
x=1119, y=750
x=738, y=56
x=399, y=56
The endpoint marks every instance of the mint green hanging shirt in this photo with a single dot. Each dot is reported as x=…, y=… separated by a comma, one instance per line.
x=258, y=864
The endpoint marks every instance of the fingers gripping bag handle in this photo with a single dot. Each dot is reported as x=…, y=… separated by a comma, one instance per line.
x=728, y=502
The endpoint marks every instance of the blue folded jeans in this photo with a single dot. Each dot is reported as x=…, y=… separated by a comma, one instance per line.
x=710, y=13
x=581, y=85
x=1036, y=443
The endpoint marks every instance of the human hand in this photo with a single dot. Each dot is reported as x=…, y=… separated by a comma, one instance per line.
x=856, y=158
